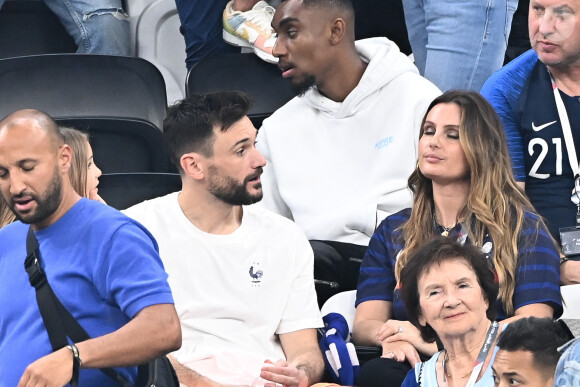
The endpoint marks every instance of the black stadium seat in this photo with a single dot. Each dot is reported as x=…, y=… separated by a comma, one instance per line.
x=123, y=190
x=29, y=27
x=262, y=81
x=83, y=85
x=123, y=145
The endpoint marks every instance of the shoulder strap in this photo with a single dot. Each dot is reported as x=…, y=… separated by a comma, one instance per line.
x=57, y=319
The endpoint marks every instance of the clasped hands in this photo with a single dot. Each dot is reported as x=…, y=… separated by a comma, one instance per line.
x=402, y=341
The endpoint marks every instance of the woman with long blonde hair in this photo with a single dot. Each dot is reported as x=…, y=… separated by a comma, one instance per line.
x=83, y=173
x=463, y=189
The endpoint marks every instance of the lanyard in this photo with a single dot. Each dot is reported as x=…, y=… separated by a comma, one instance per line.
x=490, y=337
x=566, y=129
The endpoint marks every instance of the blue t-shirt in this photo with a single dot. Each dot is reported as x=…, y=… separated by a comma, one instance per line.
x=104, y=268
x=537, y=271
x=522, y=94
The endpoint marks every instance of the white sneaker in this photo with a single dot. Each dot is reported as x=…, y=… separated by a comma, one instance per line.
x=251, y=29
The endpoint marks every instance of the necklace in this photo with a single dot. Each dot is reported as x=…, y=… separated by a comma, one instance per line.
x=445, y=229
x=447, y=374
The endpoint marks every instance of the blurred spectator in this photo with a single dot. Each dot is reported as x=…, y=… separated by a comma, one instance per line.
x=212, y=26
x=458, y=45
x=528, y=353
x=97, y=26
x=568, y=368
x=536, y=96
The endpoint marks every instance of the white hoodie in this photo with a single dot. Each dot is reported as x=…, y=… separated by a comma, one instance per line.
x=338, y=169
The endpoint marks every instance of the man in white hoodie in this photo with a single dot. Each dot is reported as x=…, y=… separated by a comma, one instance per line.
x=340, y=153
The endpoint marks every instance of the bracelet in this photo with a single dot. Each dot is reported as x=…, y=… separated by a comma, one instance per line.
x=77, y=362
x=564, y=259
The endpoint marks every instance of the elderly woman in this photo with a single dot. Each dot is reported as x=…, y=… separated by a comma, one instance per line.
x=84, y=173
x=449, y=291
x=463, y=189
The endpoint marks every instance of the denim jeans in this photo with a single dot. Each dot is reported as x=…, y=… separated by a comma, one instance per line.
x=568, y=369
x=97, y=26
x=458, y=44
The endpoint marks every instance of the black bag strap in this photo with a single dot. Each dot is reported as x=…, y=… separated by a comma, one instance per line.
x=57, y=319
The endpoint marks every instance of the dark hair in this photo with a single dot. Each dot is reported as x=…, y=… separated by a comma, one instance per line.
x=540, y=336
x=189, y=124
x=343, y=4
x=435, y=252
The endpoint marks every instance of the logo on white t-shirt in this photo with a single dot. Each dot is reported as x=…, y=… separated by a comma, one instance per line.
x=255, y=273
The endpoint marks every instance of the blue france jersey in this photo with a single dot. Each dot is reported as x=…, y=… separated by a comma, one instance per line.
x=522, y=94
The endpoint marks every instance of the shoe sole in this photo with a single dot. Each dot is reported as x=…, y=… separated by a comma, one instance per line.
x=239, y=42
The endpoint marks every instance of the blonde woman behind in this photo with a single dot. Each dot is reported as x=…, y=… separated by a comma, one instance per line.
x=84, y=173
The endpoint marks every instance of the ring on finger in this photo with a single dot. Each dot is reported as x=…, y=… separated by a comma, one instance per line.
x=400, y=330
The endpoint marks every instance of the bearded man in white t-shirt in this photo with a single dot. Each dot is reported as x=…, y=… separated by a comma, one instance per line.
x=242, y=277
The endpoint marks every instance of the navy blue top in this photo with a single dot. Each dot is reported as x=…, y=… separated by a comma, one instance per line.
x=537, y=271
x=522, y=95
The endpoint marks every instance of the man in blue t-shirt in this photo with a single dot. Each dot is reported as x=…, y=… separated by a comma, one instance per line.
x=526, y=94
x=103, y=267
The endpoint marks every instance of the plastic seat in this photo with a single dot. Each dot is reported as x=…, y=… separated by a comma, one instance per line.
x=123, y=190
x=83, y=85
x=30, y=28
x=124, y=145
x=342, y=303
x=155, y=25
x=571, y=300
x=262, y=81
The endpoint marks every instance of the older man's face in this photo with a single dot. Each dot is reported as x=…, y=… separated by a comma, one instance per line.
x=554, y=27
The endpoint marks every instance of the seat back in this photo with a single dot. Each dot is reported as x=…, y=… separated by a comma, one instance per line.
x=262, y=81
x=83, y=85
x=571, y=300
x=123, y=190
x=30, y=28
x=123, y=145
x=155, y=25
x=342, y=303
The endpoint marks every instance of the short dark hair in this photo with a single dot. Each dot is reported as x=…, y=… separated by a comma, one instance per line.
x=435, y=252
x=189, y=124
x=342, y=4
x=540, y=336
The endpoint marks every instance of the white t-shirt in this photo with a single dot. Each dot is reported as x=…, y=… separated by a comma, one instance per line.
x=233, y=293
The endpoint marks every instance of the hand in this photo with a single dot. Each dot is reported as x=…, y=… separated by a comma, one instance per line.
x=54, y=370
x=570, y=272
x=405, y=331
x=401, y=351
x=283, y=373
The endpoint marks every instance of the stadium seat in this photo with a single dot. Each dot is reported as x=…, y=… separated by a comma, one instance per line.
x=29, y=27
x=123, y=190
x=342, y=303
x=124, y=145
x=82, y=85
x=262, y=81
x=571, y=299
x=156, y=38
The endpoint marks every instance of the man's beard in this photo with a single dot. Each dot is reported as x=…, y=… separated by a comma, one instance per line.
x=232, y=192
x=45, y=205
x=300, y=88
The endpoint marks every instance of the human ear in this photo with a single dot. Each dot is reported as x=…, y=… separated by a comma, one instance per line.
x=193, y=165
x=65, y=158
x=337, y=31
